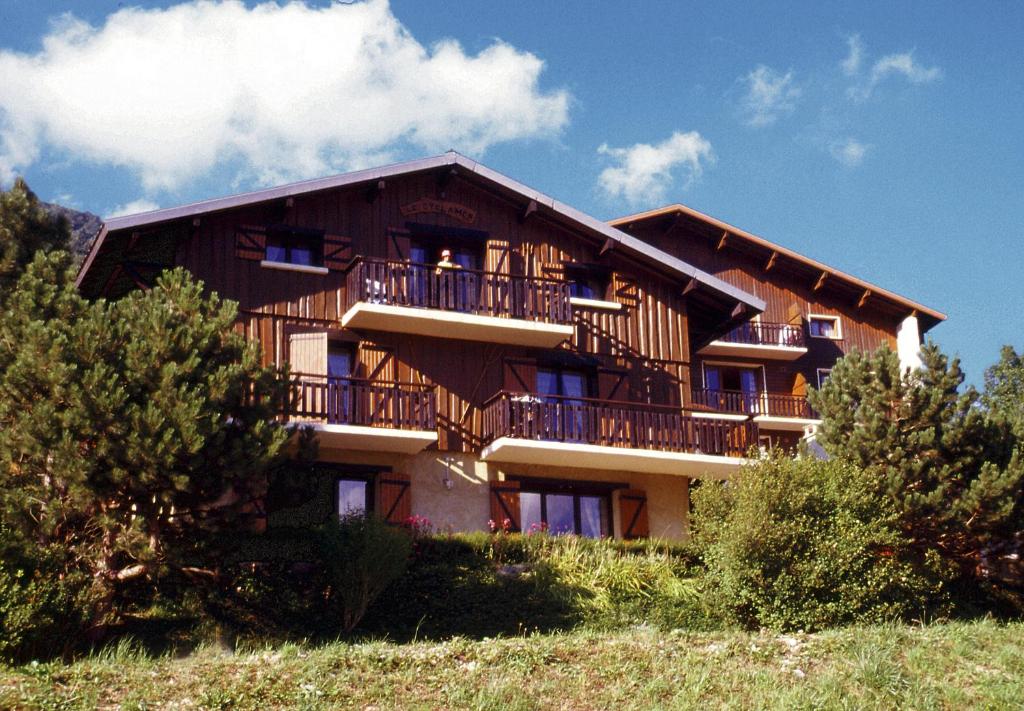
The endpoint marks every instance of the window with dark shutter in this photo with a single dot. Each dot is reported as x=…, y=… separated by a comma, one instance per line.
x=295, y=245
x=505, y=510
x=394, y=500
x=520, y=376
x=251, y=242
x=337, y=251
x=633, y=514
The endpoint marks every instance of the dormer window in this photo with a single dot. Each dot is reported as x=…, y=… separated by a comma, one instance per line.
x=296, y=246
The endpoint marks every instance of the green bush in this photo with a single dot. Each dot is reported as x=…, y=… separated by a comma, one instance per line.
x=481, y=585
x=45, y=609
x=311, y=582
x=361, y=556
x=800, y=543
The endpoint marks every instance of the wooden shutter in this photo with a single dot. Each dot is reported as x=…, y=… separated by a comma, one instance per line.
x=498, y=258
x=307, y=357
x=505, y=504
x=398, y=245
x=793, y=315
x=376, y=363
x=251, y=242
x=307, y=353
x=799, y=385
x=337, y=251
x=612, y=384
x=394, y=500
x=625, y=290
x=520, y=376
x=633, y=514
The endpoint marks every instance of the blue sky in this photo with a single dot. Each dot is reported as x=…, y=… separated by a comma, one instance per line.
x=882, y=138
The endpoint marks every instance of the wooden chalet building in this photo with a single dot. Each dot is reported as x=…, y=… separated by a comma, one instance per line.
x=814, y=314
x=470, y=350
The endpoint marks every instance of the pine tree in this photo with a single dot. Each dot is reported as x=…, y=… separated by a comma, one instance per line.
x=138, y=431
x=1004, y=390
x=952, y=473
x=25, y=228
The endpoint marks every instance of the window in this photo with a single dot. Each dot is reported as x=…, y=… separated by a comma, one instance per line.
x=825, y=327
x=586, y=281
x=564, y=415
x=294, y=245
x=823, y=374
x=467, y=256
x=562, y=382
x=341, y=393
x=455, y=288
x=560, y=510
x=339, y=360
x=353, y=496
x=731, y=388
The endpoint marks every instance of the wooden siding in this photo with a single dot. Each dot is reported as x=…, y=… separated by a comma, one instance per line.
x=645, y=343
x=789, y=298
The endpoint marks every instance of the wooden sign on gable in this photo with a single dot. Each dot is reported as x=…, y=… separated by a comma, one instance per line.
x=461, y=213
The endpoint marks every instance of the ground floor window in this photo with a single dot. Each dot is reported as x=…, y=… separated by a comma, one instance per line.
x=354, y=496
x=559, y=509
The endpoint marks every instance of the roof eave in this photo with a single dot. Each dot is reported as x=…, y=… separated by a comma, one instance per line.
x=930, y=314
x=630, y=244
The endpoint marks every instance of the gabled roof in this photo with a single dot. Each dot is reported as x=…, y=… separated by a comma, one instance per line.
x=711, y=286
x=929, y=317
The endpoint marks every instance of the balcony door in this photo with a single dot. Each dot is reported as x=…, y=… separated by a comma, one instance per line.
x=340, y=366
x=563, y=390
x=733, y=388
x=445, y=274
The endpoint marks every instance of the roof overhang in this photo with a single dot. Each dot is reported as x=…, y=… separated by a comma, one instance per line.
x=928, y=317
x=739, y=304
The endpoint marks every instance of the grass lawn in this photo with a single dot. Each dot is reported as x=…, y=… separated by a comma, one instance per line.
x=957, y=665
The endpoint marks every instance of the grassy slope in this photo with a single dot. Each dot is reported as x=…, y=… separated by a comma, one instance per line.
x=959, y=665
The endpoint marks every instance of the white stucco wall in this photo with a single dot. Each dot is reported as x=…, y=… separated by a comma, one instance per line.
x=466, y=505
x=908, y=343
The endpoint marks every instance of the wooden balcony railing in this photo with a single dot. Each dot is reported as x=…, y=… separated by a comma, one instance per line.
x=351, y=401
x=772, y=404
x=613, y=424
x=761, y=333
x=396, y=283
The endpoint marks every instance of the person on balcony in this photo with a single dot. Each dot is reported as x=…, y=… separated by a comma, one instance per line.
x=451, y=289
x=446, y=262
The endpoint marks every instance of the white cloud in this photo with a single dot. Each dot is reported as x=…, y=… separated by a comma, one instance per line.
x=899, y=64
x=904, y=64
x=643, y=173
x=851, y=65
x=276, y=91
x=770, y=95
x=132, y=208
x=849, y=152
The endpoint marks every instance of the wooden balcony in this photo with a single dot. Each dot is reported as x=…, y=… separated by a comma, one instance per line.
x=775, y=411
x=524, y=428
x=349, y=413
x=759, y=339
x=466, y=304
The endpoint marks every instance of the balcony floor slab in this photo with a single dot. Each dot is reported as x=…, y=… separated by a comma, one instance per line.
x=440, y=323
x=374, y=439
x=752, y=350
x=511, y=450
x=786, y=424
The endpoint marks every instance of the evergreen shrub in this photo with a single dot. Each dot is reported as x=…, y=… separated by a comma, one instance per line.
x=801, y=544
x=45, y=605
